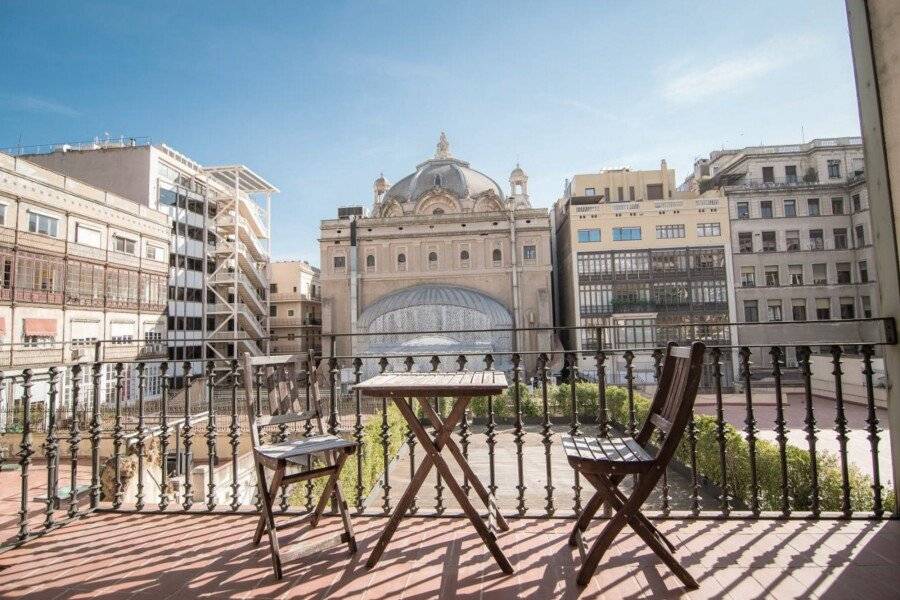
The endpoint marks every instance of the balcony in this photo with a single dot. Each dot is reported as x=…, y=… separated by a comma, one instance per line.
x=294, y=297
x=779, y=488
x=295, y=322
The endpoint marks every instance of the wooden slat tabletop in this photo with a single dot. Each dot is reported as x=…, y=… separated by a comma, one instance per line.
x=464, y=383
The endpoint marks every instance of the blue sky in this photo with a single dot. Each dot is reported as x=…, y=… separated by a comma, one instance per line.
x=319, y=97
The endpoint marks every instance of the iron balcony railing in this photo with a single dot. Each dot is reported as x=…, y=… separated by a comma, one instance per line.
x=131, y=436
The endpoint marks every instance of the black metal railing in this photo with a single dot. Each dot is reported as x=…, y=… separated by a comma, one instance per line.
x=100, y=436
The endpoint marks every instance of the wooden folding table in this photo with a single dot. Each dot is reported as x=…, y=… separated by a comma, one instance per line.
x=461, y=386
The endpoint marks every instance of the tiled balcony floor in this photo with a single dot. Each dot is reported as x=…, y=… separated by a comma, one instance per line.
x=211, y=556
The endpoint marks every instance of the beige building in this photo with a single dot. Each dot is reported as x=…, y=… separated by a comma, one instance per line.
x=80, y=265
x=295, y=316
x=442, y=250
x=639, y=263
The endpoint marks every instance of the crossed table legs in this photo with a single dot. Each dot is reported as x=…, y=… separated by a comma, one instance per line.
x=433, y=458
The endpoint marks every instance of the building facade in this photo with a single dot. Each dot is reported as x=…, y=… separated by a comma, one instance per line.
x=801, y=235
x=80, y=265
x=219, y=240
x=639, y=264
x=442, y=250
x=296, y=310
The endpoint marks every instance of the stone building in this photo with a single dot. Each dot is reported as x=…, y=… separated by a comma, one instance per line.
x=801, y=234
x=640, y=264
x=295, y=315
x=442, y=250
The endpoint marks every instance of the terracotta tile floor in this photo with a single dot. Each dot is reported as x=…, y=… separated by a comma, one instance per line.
x=210, y=556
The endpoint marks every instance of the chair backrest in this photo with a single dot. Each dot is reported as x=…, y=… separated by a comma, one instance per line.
x=279, y=380
x=674, y=400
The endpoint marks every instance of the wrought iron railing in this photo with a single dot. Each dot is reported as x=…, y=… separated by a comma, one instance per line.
x=149, y=446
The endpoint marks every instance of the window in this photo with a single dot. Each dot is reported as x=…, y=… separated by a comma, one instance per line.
x=273, y=287
x=820, y=274
x=792, y=240
x=631, y=193
x=769, y=242
x=626, y=234
x=590, y=191
x=438, y=211
x=745, y=242
x=798, y=309
x=38, y=223
x=743, y=210
x=668, y=232
x=654, y=191
x=860, y=236
x=866, y=307
x=751, y=311
x=339, y=263
x=155, y=253
x=837, y=206
x=273, y=310
x=765, y=209
x=121, y=333
x=432, y=260
x=843, y=273
x=621, y=193
x=2, y=214
x=772, y=279
x=606, y=194
x=796, y=272
x=464, y=258
x=863, y=272
x=87, y=236
x=588, y=235
x=840, y=238
x=812, y=207
x=857, y=206
x=748, y=277
x=768, y=174
x=123, y=244
x=529, y=252
x=370, y=262
x=816, y=239
x=290, y=312
x=401, y=262
x=834, y=169
x=709, y=229
x=823, y=309
x=496, y=257
x=790, y=173
x=848, y=308
x=773, y=312
x=790, y=208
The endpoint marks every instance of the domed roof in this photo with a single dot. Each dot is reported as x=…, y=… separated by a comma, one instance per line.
x=436, y=295
x=443, y=171
x=518, y=173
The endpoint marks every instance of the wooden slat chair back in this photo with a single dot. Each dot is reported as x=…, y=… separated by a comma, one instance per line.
x=604, y=462
x=280, y=383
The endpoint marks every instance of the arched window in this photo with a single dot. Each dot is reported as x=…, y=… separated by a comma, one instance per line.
x=497, y=256
x=438, y=211
x=464, y=255
x=432, y=257
x=401, y=262
x=370, y=261
x=437, y=181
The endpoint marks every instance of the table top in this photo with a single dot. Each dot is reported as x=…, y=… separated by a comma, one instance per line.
x=461, y=383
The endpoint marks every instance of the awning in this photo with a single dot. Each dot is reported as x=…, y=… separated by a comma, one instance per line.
x=40, y=327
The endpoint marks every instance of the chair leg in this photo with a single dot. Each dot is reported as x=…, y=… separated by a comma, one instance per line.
x=328, y=491
x=345, y=517
x=267, y=499
x=584, y=519
x=261, y=524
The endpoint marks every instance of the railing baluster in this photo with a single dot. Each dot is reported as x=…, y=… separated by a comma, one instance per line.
x=51, y=448
x=803, y=355
x=490, y=432
x=164, y=436
x=210, y=438
x=282, y=438
x=724, y=497
x=188, y=462
x=257, y=389
x=657, y=355
x=751, y=431
x=518, y=433
x=629, y=378
x=547, y=432
x=438, y=482
x=464, y=428
x=141, y=437
x=873, y=430
x=781, y=431
x=358, y=429
x=575, y=425
x=386, y=482
x=25, y=452
x=602, y=410
x=840, y=422
x=118, y=437
x=74, y=441
x=234, y=436
x=95, y=433
x=307, y=430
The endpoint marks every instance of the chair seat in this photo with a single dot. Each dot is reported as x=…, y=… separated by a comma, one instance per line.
x=616, y=454
x=298, y=450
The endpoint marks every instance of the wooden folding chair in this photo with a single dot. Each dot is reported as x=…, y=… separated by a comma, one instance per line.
x=277, y=378
x=605, y=462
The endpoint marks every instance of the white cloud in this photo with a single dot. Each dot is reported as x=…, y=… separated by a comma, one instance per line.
x=732, y=72
x=38, y=105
